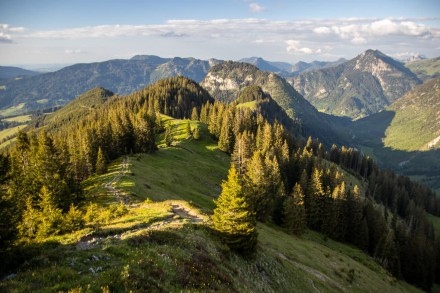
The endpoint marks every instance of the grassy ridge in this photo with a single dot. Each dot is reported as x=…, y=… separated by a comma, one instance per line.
x=148, y=246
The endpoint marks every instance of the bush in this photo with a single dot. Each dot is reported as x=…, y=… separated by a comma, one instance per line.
x=73, y=220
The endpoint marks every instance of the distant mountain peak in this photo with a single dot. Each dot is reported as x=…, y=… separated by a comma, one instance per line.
x=359, y=87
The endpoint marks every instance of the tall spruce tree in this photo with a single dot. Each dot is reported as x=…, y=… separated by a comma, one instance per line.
x=294, y=211
x=101, y=163
x=233, y=218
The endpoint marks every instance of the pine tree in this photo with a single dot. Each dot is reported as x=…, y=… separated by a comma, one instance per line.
x=28, y=226
x=196, y=134
x=257, y=186
x=101, y=163
x=50, y=216
x=73, y=220
x=188, y=129
x=194, y=114
x=168, y=135
x=315, y=194
x=295, y=212
x=243, y=150
x=226, y=139
x=233, y=218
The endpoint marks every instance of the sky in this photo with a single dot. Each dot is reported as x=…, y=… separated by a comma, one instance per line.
x=36, y=32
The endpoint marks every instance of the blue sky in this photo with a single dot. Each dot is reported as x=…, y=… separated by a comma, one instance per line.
x=51, y=32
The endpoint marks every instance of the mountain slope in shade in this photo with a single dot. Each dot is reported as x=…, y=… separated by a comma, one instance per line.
x=225, y=82
x=357, y=88
x=119, y=76
x=425, y=69
x=13, y=72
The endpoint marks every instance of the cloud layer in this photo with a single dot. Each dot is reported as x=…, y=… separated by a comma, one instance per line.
x=309, y=37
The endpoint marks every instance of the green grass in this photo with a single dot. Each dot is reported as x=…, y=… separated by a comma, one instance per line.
x=22, y=118
x=42, y=101
x=12, y=110
x=189, y=170
x=10, y=131
x=251, y=105
x=148, y=247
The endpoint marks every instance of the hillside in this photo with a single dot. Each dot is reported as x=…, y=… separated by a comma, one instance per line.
x=356, y=88
x=416, y=124
x=425, y=69
x=225, y=82
x=166, y=244
x=405, y=136
x=119, y=76
x=77, y=108
x=7, y=72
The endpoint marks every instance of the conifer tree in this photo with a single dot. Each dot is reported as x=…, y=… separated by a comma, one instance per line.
x=226, y=139
x=194, y=114
x=50, y=216
x=188, y=129
x=294, y=211
x=233, y=218
x=243, y=150
x=196, y=134
x=168, y=135
x=30, y=222
x=257, y=187
x=315, y=192
x=73, y=220
x=101, y=163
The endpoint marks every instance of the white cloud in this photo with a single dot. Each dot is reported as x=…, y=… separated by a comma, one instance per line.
x=322, y=30
x=308, y=38
x=361, y=31
x=74, y=51
x=293, y=46
x=6, y=32
x=357, y=31
x=255, y=7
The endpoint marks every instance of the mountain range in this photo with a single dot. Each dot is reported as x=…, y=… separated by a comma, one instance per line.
x=357, y=88
x=285, y=69
x=120, y=76
x=7, y=72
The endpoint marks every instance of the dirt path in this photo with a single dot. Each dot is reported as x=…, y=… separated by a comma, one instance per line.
x=119, y=196
x=185, y=213
x=92, y=240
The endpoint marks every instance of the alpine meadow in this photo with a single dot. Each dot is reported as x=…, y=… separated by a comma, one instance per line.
x=153, y=147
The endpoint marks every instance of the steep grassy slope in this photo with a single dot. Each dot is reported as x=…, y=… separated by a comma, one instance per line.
x=416, y=124
x=167, y=245
x=356, y=88
x=425, y=69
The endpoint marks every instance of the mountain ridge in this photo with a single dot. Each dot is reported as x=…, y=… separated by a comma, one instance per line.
x=119, y=75
x=357, y=88
x=7, y=72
